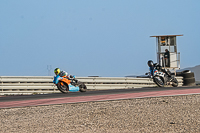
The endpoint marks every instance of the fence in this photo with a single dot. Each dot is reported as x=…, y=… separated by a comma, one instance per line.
x=43, y=84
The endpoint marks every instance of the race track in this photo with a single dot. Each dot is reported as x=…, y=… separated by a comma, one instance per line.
x=103, y=95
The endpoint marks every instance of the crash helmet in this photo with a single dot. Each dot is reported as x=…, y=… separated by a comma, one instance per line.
x=57, y=71
x=150, y=63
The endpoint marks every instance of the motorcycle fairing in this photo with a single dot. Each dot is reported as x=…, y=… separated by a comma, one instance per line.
x=65, y=80
x=58, y=78
x=155, y=72
x=73, y=88
x=158, y=73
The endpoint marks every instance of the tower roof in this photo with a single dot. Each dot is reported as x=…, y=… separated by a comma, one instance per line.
x=165, y=35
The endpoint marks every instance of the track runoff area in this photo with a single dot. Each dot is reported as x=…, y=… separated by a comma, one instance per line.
x=91, y=96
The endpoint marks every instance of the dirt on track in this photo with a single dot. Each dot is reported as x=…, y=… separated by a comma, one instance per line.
x=159, y=114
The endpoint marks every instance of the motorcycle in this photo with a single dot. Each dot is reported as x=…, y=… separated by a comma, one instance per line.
x=163, y=78
x=66, y=85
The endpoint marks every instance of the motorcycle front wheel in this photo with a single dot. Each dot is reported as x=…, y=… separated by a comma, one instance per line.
x=158, y=81
x=63, y=87
x=82, y=87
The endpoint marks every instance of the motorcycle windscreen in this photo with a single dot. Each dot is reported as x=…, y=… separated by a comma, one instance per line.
x=73, y=88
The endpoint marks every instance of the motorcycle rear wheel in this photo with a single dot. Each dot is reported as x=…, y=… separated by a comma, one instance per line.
x=158, y=81
x=174, y=82
x=63, y=87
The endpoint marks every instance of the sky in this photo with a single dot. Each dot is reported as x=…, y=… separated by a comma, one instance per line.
x=107, y=38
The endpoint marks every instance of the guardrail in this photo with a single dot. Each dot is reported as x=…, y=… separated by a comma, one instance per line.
x=43, y=84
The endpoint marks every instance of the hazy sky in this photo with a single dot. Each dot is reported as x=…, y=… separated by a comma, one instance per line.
x=108, y=38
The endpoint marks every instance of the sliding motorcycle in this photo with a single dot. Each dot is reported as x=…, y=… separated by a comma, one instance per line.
x=66, y=85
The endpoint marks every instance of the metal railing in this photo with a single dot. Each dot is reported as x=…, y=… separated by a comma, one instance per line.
x=43, y=84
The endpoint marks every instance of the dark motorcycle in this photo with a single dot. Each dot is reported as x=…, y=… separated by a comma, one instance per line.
x=163, y=78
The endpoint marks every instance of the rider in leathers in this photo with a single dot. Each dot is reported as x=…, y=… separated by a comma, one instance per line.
x=57, y=71
x=156, y=66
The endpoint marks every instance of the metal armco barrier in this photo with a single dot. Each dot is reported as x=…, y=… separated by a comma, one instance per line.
x=43, y=84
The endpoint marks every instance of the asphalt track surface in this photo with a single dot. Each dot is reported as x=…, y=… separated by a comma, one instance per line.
x=90, y=96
